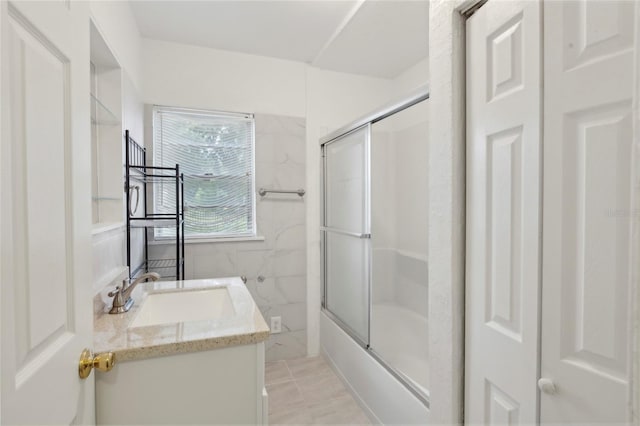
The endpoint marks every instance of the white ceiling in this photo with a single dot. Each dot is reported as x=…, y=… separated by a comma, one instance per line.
x=380, y=38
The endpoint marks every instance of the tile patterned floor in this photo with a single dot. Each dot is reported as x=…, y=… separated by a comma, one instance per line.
x=306, y=391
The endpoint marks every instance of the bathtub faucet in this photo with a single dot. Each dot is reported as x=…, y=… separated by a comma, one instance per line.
x=122, y=300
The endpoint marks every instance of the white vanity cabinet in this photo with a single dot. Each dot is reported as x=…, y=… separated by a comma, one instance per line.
x=218, y=386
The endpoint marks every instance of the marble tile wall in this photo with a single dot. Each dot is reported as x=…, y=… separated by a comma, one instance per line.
x=281, y=258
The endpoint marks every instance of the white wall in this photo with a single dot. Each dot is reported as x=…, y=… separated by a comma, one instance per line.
x=412, y=78
x=198, y=77
x=446, y=213
x=117, y=26
x=132, y=108
x=115, y=21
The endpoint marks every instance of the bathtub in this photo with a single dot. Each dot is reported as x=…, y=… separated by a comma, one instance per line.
x=382, y=396
x=390, y=378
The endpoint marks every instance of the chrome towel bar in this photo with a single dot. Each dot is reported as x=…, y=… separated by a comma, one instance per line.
x=264, y=191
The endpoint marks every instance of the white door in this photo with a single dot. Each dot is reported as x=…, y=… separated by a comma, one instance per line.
x=45, y=212
x=588, y=55
x=503, y=212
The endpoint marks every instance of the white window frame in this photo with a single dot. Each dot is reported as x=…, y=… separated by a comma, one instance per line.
x=210, y=237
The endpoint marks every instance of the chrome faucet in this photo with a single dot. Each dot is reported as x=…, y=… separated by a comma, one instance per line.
x=122, y=300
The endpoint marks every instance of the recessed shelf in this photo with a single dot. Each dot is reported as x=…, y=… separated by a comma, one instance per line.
x=100, y=114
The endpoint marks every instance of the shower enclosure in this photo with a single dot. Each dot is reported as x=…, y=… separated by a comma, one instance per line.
x=374, y=235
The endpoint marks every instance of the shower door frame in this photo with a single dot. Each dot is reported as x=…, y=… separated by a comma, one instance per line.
x=421, y=94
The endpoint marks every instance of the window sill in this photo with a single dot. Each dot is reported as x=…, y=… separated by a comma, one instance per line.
x=208, y=240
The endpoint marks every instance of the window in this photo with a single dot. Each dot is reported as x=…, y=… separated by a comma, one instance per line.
x=215, y=151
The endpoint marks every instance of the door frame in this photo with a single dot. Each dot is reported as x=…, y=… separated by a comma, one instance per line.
x=447, y=218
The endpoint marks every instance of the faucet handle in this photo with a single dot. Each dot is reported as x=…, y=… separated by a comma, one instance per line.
x=115, y=292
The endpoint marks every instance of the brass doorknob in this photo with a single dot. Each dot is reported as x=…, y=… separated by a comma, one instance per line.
x=89, y=361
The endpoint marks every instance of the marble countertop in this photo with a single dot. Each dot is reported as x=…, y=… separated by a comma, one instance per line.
x=112, y=332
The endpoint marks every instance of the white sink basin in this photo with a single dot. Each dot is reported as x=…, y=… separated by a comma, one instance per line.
x=184, y=306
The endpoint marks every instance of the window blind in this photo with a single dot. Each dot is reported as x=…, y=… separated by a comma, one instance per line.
x=215, y=152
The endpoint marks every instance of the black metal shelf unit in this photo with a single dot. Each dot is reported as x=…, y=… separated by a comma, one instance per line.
x=140, y=182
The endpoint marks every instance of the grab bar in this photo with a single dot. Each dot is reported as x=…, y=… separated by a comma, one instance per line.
x=340, y=231
x=264, y=191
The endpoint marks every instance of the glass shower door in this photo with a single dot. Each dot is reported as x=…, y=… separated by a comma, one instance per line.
x=346, y=231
